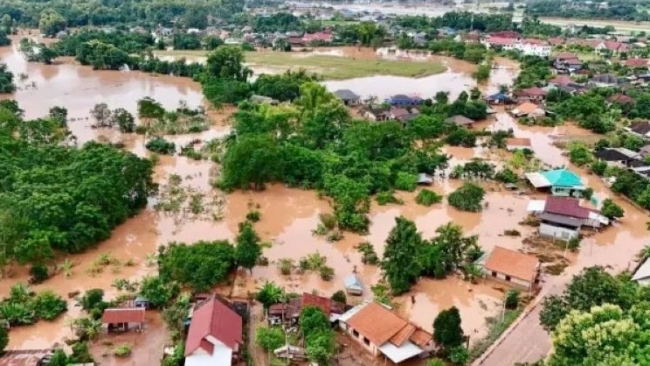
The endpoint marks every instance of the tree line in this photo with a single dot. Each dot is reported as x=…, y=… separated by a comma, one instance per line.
x=632, y=10
x=60, y=198
x=52, y=16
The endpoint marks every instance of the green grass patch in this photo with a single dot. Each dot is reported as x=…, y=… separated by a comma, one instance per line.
x=334, y=23
x=330, y=67
x=496, y=328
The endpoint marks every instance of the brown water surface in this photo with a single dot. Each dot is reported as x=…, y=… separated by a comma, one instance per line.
x=290, y=215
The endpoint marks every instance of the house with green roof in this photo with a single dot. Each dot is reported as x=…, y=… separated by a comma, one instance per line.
x=560, y=182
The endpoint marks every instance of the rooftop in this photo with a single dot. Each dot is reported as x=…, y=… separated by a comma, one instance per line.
x=376, y=323
x=459, y=120
x=215, y=319
x=565, y=206
x=562, y=220
x=123, y=315
x=643, y=272
x=512, y=263
x=518, y=141
x=346, y=94
x=327, y=305
x=24, y=357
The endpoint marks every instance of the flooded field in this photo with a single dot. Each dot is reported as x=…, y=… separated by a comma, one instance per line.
x=288, y=216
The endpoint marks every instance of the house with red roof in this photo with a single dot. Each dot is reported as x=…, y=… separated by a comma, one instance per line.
x=533, y=94
x=637, y=63
x=214, y=336
x=561, y=218
x=322, y=37
x=612, y=46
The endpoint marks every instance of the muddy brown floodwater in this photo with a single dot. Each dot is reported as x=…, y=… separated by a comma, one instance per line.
x=290, y=215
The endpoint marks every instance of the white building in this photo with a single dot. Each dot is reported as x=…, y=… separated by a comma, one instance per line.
x=533, y=48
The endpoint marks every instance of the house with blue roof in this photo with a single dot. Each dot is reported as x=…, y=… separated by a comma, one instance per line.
x=403, y=100
x=560, y=182
x=499, y=98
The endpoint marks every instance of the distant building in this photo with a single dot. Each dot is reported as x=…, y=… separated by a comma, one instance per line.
x=348, y=97
x=641, y=129
x=403, y=100
x=461, y=121
x=619, y=156
x=517, y=143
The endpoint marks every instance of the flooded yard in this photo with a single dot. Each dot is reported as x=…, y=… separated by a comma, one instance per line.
x=288, y=216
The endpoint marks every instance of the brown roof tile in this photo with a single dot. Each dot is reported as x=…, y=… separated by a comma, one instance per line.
x=123, y=315
x=512, y=263
x=215, y=319
x=421, y=338
x=518, y=141
x=376, y=323
x=403, y=335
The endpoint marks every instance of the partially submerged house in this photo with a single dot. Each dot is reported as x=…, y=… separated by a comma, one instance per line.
x=460, y=121
x=560, y=182
x=511, y=267
x=27, y=357
x=214, y=336
x=517, y=143
x=289, y=312
x=499, y=98
x=261, y=99
x=382, y=332
x=641, y=129
x=533, y=94
x=121, y=319
x=353, y=285
x=561, y=218
x=348, y=97
x=403, y=100
x=606, y=80
x=619, y=156
x=528, y=109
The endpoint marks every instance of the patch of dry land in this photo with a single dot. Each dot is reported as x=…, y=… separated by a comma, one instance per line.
x=330, y=66
x=620, y=25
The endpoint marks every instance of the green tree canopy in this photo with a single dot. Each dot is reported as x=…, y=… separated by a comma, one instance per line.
x=399, y=267
x=447, y=330
x=247, y=249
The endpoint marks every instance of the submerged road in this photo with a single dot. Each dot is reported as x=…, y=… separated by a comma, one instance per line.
x=526, y=341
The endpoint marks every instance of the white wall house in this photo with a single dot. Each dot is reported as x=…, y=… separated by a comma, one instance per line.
x=511, y=268
x=533, y=49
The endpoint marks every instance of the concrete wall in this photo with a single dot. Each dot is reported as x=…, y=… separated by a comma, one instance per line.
x=512, y=281
x=372, y=348
x=558, y=233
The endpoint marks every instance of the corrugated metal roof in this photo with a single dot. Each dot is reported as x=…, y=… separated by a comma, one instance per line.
x=352, y=282
x=643, y=272
x=536, y=206
x=538, y=180
x=402, y=353
x=562, y=220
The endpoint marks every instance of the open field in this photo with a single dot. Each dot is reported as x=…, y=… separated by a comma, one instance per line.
x=330, y=67
x=620, y=25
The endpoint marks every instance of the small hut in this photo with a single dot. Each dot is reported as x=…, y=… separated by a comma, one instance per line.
x=119, y=319
x=353, y=285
